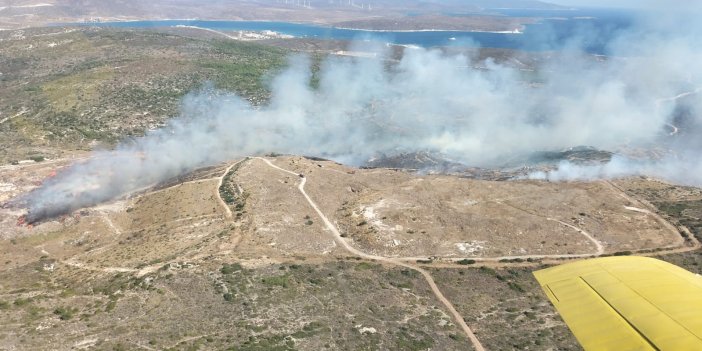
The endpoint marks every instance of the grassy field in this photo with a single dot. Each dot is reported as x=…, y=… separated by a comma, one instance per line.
x=66, y=89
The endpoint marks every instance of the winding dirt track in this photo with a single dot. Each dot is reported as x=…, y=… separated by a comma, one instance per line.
x=227, y=213
x=152, y=268
x=337, y=237
x=15, y=116
x=405, y=261
x=219, y=185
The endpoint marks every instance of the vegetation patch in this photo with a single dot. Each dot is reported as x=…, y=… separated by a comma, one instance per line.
x=231, y=193
x=65, y=313
x=466, y=262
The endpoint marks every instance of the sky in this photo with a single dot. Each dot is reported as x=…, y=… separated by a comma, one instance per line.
x=599, y=3
x=658, y=4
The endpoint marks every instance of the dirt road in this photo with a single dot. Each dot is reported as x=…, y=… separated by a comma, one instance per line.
x=15, y=116
x=643, y=207
x=430, y=280
x=598, y=245
x=224, y=205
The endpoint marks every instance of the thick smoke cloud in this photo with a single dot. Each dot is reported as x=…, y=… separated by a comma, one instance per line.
x=431, y=101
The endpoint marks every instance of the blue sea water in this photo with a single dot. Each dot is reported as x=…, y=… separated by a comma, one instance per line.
x=588, y=30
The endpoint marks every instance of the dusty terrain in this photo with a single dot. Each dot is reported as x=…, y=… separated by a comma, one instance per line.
x=249, y=254
x=140, y=260
x=398, y=214
x=243, y=239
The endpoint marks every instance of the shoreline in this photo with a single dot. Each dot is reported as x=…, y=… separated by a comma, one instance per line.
x=516, y=31
x=330, y=26
x=271, y=33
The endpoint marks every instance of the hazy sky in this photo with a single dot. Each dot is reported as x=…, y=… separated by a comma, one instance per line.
x=599, y=3
x=684, y=5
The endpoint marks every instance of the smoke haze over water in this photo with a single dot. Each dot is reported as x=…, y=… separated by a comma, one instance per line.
x=436, y=102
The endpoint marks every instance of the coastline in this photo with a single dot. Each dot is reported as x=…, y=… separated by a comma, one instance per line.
x=522, y=38
x=266, y=34
x=516, y=31
x=330, y=26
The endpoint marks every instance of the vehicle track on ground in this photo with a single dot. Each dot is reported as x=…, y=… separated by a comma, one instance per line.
x=405, y=261
x=222, y=203
x=83, y=266
x=24, y=110
x=427, y=276
x=590, y=237
x=650, y=210
x=152, y=268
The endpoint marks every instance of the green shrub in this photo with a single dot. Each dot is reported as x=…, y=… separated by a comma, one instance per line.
x=466, y=262
x=21, y=302
x=280, y=280
x=516, y=287
x=230, y=268
x=65, y=313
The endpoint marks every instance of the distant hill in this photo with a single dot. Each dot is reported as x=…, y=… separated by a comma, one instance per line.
x=497, y=4
x=27, y=13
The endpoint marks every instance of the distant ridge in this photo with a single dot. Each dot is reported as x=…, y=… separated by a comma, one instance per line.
x=28, y=13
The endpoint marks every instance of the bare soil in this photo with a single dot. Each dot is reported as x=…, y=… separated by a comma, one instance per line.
x=170, y=267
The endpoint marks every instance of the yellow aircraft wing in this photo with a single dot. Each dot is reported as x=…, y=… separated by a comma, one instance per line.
x=627, y=303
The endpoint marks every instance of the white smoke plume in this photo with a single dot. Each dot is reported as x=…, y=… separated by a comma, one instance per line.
x=429, y=101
